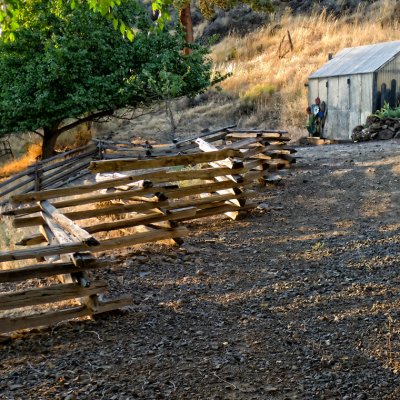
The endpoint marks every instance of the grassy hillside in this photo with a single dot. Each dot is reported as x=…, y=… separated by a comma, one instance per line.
x=274, y=82
x=267, y=86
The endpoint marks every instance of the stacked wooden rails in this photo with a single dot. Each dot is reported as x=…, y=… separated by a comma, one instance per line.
x=50, y=173
x=151, y=198
x=154, y=196
x=272, y=139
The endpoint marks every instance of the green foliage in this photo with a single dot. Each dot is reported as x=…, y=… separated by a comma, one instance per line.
x=10, y=11
x=387, y=112
x=70, y=63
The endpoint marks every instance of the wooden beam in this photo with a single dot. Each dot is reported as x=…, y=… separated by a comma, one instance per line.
x=109, y=244
x=276, y=136
x=96, y=212
x=47, y=318
x=78, y=190
x=54, y=317
x=205, y=134
x=206, y=147
x=158, y=177
x=142, y=220
x=29, y=174
x=218, y=210
x=66, y=172
x=113, y=304
x=166, y=161
x=73, y=229
x=49, y=294
x=247, y=131
x=172, y=193
x=47, y=269
x=121, y=209
x=115, y=225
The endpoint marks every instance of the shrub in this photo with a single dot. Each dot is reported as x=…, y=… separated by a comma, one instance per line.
x=387, y=112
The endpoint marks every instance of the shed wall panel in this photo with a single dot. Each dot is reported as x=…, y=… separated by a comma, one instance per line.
x=333, y=93
x=355, y=101
x=322, y=89
x=389, y=76
x=366, y=93
x=342, y=132
x=313, y=86
x=331, y=125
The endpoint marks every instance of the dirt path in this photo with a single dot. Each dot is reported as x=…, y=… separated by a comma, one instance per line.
x=297, y=302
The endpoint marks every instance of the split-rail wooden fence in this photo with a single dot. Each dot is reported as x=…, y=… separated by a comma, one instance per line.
x=153, y=189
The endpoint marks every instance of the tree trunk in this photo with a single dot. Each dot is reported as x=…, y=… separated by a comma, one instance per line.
x=185, y=17
x=50, y=136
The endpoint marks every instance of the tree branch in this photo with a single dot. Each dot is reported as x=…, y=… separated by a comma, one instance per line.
x=38, y=133
x=80, y=121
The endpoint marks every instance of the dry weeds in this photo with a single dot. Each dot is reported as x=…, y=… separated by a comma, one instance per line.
x=255, y=62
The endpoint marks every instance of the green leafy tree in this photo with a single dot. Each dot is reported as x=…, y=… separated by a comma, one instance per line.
x=68, y=66
x=10, y=11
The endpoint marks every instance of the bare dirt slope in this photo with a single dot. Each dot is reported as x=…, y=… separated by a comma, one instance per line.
x=298, y=302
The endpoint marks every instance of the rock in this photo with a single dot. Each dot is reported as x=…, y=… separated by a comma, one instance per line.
x=214, y=346
x=263, y=206
x=15, y=387
x=385, y=134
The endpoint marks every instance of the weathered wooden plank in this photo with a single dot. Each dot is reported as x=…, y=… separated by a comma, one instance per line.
x=48, y=269
x=68, y=153
x=29, y=180
x=266, y=136
x=141, y=220
x=219, y=209
x=49, y=294
x=73, y=229
x=246, y=131
x=166, y=161
x=173, y=176
x=171, y=193
x=109, y=244
x=231, y=197
x=113, y=304
x=66, y=172
x=48, y=318
x=46, y=167
x=159, y=176
x=122, y=224
x=244, y=143
x=78, y=190
x=54, y=317
x=78, y=175
x=206, y=147
x=205, y=134
x=28, y=183
x=84, y=214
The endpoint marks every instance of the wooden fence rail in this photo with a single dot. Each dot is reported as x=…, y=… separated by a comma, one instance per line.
x=150, y=188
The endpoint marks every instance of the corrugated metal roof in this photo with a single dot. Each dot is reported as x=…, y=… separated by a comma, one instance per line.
x=358, y=60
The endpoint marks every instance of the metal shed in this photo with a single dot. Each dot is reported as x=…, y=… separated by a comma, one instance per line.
x=354, y=84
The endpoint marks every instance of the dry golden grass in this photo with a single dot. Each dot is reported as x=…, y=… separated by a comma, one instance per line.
x=255, y=63
x=19, y=164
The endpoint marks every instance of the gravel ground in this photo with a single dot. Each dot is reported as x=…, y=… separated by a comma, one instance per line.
x=297, y=301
